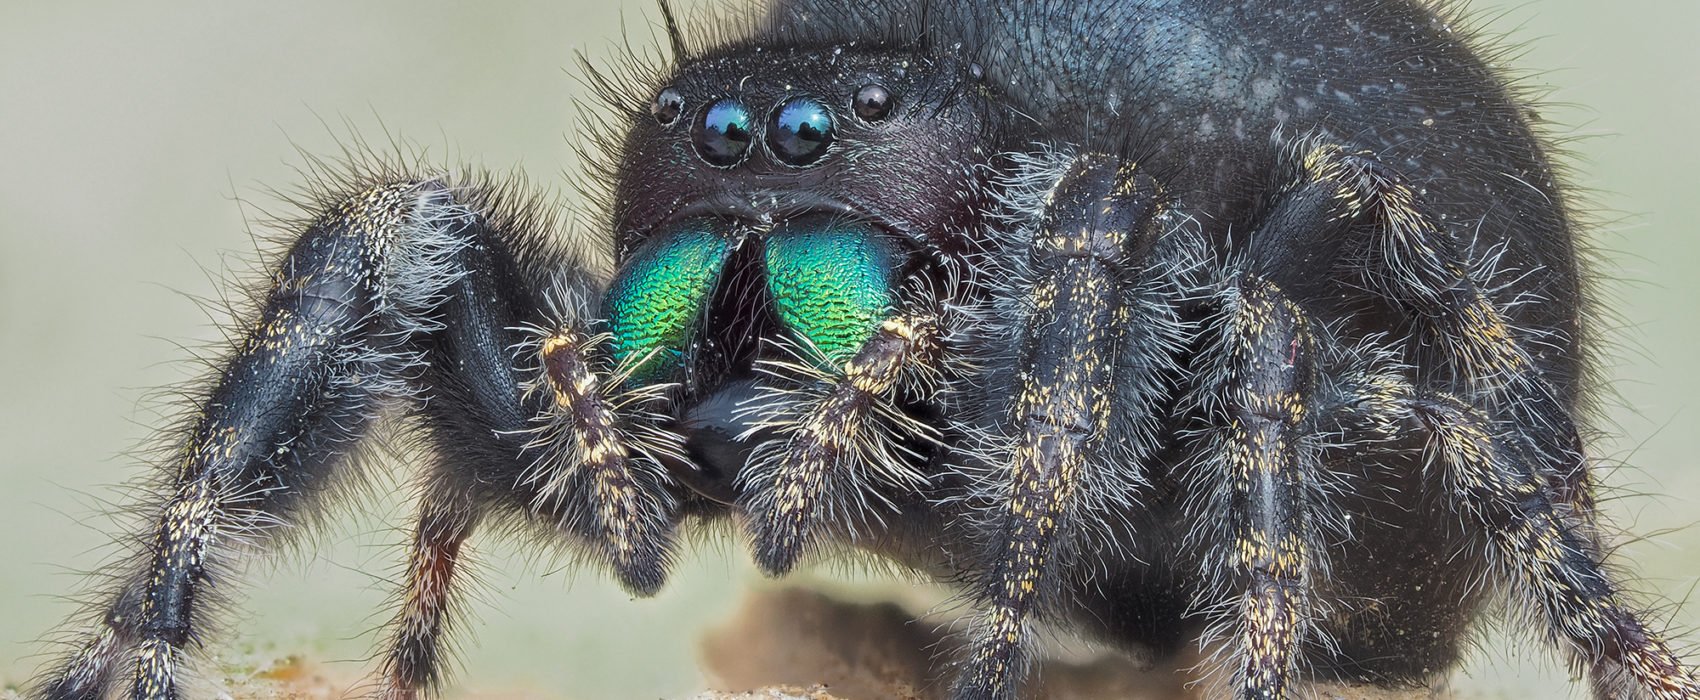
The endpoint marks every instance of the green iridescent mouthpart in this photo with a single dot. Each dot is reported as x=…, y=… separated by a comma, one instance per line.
x=830, y=280
x=657, y=298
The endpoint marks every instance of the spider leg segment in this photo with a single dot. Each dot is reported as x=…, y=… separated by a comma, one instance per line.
x=1259, y=475
x=330, y=345
x=1510, y=451
x=1538, y=545
x=406, y=292
x=833, y=436
x=410, y=662
x=512, y=441
x=1078, y=378
x=1419, y=265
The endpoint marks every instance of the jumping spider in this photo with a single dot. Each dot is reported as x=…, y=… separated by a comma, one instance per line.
x=1156, y=320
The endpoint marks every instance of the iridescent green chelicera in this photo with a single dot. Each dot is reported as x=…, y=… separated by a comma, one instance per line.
x=830, y=280
x=656, y=300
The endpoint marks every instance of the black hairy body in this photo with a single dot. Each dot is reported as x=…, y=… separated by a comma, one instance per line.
x=1257, y=324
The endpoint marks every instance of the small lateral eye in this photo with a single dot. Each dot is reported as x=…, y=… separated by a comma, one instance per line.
x=872, y=102
x=722, y=135
x=667, y=106
x=799, y=131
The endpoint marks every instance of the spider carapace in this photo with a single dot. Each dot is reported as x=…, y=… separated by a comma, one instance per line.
x=1169, y=322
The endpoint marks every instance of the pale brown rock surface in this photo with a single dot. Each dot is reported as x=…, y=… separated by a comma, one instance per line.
x=797, y=638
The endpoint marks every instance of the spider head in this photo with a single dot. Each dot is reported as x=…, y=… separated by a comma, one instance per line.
x=771, y=204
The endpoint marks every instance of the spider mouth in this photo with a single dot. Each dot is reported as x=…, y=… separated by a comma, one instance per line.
x=720, y=437
x=795, y=279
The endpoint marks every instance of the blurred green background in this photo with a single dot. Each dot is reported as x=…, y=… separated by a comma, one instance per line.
x=128, y=130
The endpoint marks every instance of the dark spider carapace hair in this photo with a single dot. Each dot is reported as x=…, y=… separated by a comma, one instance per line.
x=1170, y=322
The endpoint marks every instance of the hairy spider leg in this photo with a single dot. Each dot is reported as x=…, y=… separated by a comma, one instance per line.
x=1530, y=493
x=1420, y=266
x=837, y=439
x=1536, y=543
x=415, y=291
x=475, y=415
x=1079, y=301
x=331, y=344
x=411, y=661
x=1256, y=464
x=1258, y=473
x=564, y=445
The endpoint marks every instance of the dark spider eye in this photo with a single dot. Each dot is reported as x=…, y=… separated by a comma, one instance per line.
x=872, y=103
x=800, y=131
x=723, y=134
x=667, y=106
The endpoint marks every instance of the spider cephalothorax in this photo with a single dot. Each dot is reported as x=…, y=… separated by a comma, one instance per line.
x=1163, y=321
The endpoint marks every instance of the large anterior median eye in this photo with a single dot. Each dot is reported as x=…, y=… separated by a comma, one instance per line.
x=799, y=131
x=831, y=280
x=722, y=135
x=656, y=300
